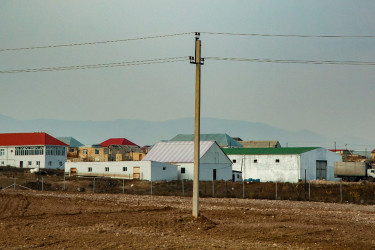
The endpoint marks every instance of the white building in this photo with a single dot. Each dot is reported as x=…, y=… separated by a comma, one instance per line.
x=284, y=164
x=32, y=150
x=137, y=170
x=213, y=165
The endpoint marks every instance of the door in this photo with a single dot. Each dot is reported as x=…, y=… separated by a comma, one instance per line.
x=73, y=171
x=21, y=164
x=136, y=173
x=321, y=170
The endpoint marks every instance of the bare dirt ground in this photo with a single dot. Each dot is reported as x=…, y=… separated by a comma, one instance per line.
x=57, y=220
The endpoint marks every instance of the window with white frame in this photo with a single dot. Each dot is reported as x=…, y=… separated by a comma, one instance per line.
x=90, y=169
x=124, y=169
x=29, y=163
x=2, y=151
x=107, y=169
x=38, y=163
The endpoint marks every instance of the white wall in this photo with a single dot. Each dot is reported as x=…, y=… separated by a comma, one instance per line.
x=148, y=169
x=308, y=162
x=290, y=168
x=14, y=160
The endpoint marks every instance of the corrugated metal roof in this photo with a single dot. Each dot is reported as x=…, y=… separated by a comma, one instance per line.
x=70, y=141
x=176, y=151
x=223, y=140
x=29, y=139
x=268, y=151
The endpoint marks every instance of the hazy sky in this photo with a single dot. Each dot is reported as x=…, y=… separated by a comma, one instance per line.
x=333, y=100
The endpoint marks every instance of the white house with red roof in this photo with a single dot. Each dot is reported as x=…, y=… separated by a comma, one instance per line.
x=32, y=150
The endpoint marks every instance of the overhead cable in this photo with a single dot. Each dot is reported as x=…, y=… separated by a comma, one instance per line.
x=100, y=42
x=101, y=65
x=288, y=35
x=290, y=61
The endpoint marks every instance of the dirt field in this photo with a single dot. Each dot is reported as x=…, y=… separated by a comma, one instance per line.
x=56, y=220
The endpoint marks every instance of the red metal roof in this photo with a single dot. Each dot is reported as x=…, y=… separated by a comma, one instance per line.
x=27, y=139
x=117, y=141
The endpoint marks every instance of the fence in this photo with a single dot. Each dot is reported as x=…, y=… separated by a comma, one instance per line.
x=361, y=193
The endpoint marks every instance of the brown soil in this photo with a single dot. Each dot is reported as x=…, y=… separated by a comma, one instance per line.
x=57, y=220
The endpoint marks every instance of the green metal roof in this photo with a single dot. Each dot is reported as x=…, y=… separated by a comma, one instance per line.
x=223, y=140
x=70, y=141
x=267, y=151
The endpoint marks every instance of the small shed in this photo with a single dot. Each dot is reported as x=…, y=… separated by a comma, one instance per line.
x=213, y=165
x=136, y=170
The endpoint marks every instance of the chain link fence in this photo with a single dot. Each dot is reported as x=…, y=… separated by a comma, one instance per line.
x=360, y=193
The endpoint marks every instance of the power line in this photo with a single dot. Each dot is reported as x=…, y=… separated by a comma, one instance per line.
x=288, y=35
x=100, y=42
x=362, y=63
x=187, y=33
x=102, y=65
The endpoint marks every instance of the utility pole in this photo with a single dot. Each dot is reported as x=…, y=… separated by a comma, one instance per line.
x=198, y=62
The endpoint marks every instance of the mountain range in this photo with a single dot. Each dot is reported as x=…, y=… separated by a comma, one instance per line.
x=149, y=132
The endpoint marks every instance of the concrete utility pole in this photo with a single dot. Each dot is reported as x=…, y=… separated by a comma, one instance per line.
x=198, y=62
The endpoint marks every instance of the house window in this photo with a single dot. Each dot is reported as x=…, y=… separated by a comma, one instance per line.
x=164, y=168
x=71, y=150
x=256, y=161
x=124, y=168
x=90, y=169
x=50, y=163
x=277, y=160
x=96, y=151
x=29, y=163
x=85, y=151
x=234, y=161
x=107, y=169
x=182, y=170
x=2, y=152
x=238, y=175
x=60, y=163
x=2, y=163
x=38, y=163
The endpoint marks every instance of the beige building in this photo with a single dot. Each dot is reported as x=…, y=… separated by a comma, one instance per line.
x=96, y=153
x=260, y=144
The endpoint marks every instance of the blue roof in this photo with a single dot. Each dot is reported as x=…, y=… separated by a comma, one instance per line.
x=223, y=140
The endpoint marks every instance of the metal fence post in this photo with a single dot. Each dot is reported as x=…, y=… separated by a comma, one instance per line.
x=243, y=188
x=183, y=190
x=93, y=186
x=340, y=191
x=213, y=188
x=276, y=190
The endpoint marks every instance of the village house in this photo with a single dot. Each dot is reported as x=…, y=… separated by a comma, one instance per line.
x=32, y=150
x=135, y=170
x=284, y=164
x=73, y=147
x=260, y=144
x=213, y=165
x=114, y=149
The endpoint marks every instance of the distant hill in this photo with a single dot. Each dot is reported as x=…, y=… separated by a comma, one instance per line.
x=148, y=132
